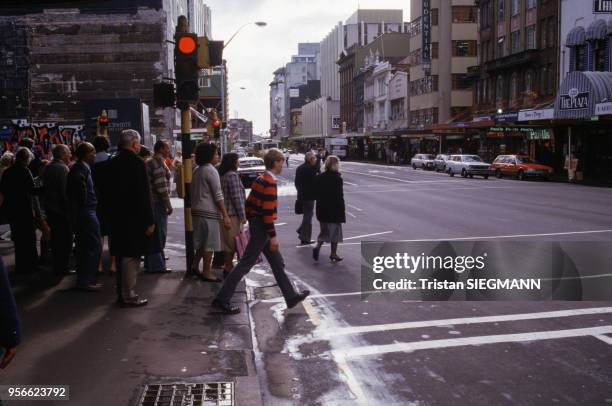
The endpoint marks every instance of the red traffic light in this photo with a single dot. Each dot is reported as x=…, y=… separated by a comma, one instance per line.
x=187, y=45
x=216, y=123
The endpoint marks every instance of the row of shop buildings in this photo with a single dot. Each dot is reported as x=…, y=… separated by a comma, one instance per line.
x=529, y=77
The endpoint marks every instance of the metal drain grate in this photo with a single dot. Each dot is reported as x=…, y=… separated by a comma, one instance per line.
x=188, y=394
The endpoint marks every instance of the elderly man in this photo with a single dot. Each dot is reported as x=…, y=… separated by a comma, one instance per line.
x=17, y=187
x=55, y=201
x=305, y=176
x=132, y=222
x=82, y=202
x=159, y=176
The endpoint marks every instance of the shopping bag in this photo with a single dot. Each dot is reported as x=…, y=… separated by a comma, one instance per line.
x=241, y=240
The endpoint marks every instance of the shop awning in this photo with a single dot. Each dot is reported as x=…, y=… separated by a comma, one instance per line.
x=575, y=37
x=598, y=29
x=580, y=92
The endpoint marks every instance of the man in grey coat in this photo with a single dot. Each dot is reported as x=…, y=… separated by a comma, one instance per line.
x=55, y=202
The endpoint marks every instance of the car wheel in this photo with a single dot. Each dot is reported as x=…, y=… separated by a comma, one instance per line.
x=414, y=167
x=450, y=172
x=486, y=176
x=463, y=173
x=521, y=175
x=499, y=174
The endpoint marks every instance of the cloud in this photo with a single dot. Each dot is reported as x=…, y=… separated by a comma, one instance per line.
x=257, y=52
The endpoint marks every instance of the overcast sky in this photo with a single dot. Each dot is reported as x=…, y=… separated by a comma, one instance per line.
x=257, y=52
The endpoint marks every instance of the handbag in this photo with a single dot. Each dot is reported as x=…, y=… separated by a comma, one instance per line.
x=242, y=240
x=299, y=207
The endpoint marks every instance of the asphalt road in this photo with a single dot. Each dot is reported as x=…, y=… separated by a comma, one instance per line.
x=345, y=348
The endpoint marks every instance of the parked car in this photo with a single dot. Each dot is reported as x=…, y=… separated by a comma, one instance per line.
x=440, y=162
x=423, y=161
x=468, y=165
x=250, y=168
x=520, y=166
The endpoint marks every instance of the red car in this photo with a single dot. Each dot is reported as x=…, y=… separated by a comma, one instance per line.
x=519, y=166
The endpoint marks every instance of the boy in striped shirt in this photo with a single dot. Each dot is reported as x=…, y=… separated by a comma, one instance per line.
x=261, y=212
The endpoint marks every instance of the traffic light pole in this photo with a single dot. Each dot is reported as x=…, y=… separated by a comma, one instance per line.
x=187, y=166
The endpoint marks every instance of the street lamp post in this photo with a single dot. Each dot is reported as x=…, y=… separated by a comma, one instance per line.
x=257, y=23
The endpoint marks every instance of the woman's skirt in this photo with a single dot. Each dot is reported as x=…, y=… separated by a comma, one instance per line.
x=330, y=232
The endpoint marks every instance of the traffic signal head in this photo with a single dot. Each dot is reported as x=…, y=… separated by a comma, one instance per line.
x=186, y=67
x=103, y=120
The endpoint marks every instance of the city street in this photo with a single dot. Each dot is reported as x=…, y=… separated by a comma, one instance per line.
x=340, y=349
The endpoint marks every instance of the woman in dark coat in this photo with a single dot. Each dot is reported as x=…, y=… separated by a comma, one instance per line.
x=330, y=207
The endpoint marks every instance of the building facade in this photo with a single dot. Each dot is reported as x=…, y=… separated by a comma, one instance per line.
x=440, y=90
x=240, y=131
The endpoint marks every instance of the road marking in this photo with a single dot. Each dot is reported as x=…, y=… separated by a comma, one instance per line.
x=280, y=224
x=368, y=235
x=465, y=341
x=466, y=320
x=354, y=207
x=378, y=176
x=437, y=189
x=604, y=338
x=487, y=237
x=324, y=295
x=351, y=214
x=350, y=183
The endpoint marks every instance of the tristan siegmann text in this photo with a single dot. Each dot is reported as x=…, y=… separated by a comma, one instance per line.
x=438, y=272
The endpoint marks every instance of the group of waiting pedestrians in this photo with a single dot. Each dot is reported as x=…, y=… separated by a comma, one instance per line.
x=325, y=190
x=83, y=195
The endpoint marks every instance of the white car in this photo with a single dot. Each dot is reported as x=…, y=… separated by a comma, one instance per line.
x=250, y=168
x=423, y=161
x=468, y=165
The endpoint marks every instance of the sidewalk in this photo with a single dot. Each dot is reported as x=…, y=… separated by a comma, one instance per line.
x=107, y=354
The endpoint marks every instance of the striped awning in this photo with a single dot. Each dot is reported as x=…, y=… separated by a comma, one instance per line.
x=598, y=29
x=575, y=37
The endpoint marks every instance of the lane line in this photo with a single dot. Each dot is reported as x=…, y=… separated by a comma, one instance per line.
x=483, y=237
x=378, y=176
x=466, y=341
x=351, y=214
x=354, y=207
x=369, y=235
x=324, y=295
x=351, y=183
x=437, y=189
x=466, y=320
x=604, y=338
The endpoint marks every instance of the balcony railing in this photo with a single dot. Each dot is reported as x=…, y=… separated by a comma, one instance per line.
x=510, y=61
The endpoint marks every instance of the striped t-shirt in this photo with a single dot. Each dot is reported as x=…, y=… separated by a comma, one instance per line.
x=262, y=201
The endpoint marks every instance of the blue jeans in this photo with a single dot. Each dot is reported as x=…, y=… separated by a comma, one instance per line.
x=258, y=243
x=157, y=262
x=88, y=247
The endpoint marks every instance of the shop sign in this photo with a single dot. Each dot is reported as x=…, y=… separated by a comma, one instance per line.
x=530, y=132
x=426, y=34
x=541, y=114
x=574, y=100
x=602, y=6
x=335, y=122
x=507, y=117
x=336, y=141
x=602, y=109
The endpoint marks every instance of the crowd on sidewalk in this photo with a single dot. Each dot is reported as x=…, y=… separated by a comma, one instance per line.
x=84, y=195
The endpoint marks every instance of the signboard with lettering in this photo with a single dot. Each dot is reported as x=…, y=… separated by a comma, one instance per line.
x=602, y=6
x=507, y=117
x=426, y=34
x=532, y=115
x=602, y=109
x=574, y=100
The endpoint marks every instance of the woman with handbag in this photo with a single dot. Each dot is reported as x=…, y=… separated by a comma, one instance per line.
x=234, y=198
x=330, y=207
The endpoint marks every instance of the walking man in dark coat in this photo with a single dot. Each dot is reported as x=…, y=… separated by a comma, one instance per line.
x=10, y=327
x=55, y=201
x=132, y=222
x=17, y=188
x=82, y=201
x=304, y=183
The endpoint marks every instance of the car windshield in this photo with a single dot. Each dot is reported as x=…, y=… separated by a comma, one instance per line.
x=472, y=158
x=427, y=156
x=525, y=160
x=249, y=163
